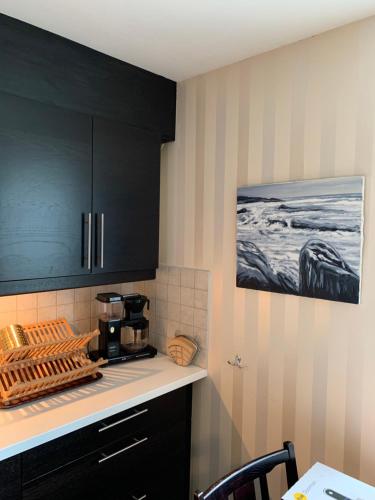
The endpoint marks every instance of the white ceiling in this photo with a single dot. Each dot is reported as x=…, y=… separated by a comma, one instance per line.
x=182, y=38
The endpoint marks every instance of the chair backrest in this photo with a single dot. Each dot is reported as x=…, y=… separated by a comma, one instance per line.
x=240, y=482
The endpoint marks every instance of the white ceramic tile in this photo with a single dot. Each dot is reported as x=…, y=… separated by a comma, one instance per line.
x=82, y=310
x=162, y=275
x=127, y=288
x=82, y=326
x=8, y=318
x=93, y=324
x=65, y=311
x=162, y=291
x=187, y=330
x=173, y=328
x=174, y=276
x=46, y=299
x=200, y=299
x=174, y=294
x=27, y=316
x=139, y=287
x=201, y=358
x=201, y=280
x=82, y=294
x=200, y=336
x=152, y=306
x=27, y=301
x=187, y=296
x=150, y=289
x=46, y=313
x=200, y=319
x=174, y=311
x=8, y=303
x=65, y=297
x=162, y=309
x=160, y=343
x=187, y=278
x=187, y=315
x=161, y=326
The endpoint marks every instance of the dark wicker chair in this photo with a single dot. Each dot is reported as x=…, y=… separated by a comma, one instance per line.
x=240, y=482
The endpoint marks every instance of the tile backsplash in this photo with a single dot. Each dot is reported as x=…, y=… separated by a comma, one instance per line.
x=178, y=303
x=181, y=299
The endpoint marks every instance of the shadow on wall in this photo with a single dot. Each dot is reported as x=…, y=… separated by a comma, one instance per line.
x=212, y=428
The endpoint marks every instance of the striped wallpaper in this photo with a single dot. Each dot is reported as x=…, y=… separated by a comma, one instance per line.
x=300, y=112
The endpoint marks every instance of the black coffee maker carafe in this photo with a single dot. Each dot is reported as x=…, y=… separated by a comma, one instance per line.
x=121, y=318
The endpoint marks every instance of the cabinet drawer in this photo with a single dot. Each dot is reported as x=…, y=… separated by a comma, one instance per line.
x=159, y=413
x=113, y=471
x=170, y=480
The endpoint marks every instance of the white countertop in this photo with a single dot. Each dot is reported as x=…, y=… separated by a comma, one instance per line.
x=122, y=387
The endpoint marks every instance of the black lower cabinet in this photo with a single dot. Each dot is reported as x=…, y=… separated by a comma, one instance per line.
x=10, y=478
x=144, y=461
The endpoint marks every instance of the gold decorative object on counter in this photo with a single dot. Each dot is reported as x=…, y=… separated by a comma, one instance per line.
x=44, y=358
x=182, y=349
x=12, y=337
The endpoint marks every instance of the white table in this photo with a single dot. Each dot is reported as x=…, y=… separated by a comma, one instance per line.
x=322, y=482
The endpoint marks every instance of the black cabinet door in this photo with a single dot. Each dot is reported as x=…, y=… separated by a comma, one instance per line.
x=45, y=190
x=126, y=178
x=10, y=478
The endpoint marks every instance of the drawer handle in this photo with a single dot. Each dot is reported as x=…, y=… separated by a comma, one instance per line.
x=137, y=442
x=139, y=498
x=135, y=414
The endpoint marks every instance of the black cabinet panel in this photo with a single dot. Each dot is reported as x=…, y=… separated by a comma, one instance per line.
x=10, y=478
x=126, y=178
x=136, y=458
x=111, y=472
x=45, y=189
x=40, y=65
x=154, y=415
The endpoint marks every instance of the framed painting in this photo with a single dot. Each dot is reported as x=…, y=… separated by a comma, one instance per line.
x=302, y=238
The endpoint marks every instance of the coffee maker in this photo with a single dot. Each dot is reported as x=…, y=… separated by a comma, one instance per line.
x=121, y=319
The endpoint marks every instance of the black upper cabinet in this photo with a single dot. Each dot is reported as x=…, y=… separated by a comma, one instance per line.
x=80, y=136
x=126, y=178
x=45, y=189
x=42, y=66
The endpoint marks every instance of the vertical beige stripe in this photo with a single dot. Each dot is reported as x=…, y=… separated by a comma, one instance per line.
x=319, y=383
x=217, y=409
x=256, y=123
x=199, y=171
x=243, y=129
x=251, y=327
x=262, y=373
x=188, y=222
x=178, y=174
x=305, y=366
x=209, y=171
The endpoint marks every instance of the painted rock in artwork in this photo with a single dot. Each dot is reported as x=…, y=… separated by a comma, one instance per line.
x=324, y=273
x=254, y=271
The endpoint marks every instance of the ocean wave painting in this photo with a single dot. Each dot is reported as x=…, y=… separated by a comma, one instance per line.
x=302, y=238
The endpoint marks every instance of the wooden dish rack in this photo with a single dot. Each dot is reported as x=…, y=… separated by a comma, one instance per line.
x=54, y=359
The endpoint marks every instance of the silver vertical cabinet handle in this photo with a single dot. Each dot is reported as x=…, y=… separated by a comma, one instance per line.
x=89, y=242
x=102, y=241
x=137, y=442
